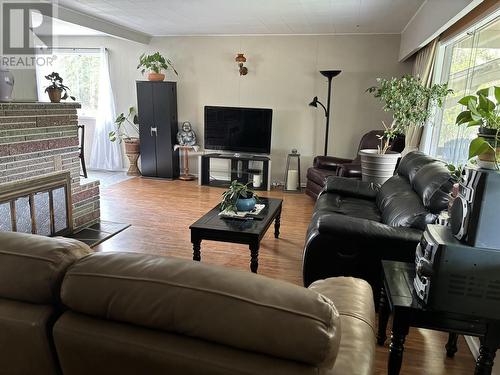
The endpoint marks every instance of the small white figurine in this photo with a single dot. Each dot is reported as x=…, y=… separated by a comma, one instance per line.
x=186, y=136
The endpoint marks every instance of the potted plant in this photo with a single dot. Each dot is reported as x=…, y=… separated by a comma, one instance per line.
x=411, y=104
x=239, y=197
x=131, y=142
x=483, y=112
x=56, y=90
x=155, y=64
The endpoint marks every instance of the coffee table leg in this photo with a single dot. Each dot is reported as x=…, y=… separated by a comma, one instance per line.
x=277, y=224
x=196, y=249
x=383, y=318
x=254, y=257
x=451, y=345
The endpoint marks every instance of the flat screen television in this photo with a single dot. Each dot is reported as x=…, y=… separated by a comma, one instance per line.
x=238, y=129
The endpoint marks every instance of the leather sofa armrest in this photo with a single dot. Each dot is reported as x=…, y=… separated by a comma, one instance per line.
x=329, y=162
x=366, y=229
x=350, y=187
x=350, y=170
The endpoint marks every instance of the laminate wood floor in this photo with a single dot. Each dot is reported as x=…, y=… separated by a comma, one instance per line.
x=160, y=213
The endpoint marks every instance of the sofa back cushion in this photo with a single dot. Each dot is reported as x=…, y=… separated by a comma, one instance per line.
x=401, y=206
x=229, y=307
x=32, y=267
x=411, y=163
x=433, y=184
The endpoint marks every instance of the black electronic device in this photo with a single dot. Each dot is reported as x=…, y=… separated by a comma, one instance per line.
x=475, y=213
x=238, y=129
x=454, y=277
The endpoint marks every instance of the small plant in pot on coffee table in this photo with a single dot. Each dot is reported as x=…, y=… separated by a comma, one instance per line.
x=483, y=110
x=56, y=90
x=155, y=64
x=239, y=197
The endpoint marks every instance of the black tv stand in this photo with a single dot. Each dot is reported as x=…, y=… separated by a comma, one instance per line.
x=242, y=168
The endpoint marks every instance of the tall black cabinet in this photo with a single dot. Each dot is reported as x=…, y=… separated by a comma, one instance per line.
x=157, y=109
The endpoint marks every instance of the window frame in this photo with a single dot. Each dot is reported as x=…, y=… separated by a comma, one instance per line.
x=432, y=129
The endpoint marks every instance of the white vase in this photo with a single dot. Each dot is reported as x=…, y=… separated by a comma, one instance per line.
x=6, y=85
x=378, y=168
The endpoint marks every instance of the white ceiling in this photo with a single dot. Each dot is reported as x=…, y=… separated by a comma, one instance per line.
x=212, y=17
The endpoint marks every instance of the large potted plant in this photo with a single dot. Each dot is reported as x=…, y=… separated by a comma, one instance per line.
x=483, y=112
x=239, y=197
x=56, y=90
x=411, y=104
x=125, y=123
x=155, y=64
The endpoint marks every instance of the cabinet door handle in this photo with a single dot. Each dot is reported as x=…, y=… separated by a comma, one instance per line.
x=155, y=130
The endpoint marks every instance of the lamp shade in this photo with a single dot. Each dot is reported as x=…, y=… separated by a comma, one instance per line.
x=314, y=102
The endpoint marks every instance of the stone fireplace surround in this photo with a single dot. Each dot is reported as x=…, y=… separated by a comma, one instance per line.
x=41, y=138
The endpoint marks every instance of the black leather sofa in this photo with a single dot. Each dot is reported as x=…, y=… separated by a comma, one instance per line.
x=356, y=224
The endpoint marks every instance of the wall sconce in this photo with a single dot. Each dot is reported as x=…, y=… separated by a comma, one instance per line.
x=240, y=59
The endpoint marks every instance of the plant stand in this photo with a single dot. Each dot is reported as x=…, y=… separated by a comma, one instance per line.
x=185, y=175
x=133, y=170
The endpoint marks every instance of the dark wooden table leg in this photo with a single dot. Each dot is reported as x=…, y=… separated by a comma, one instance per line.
x=196, y=249
x=451, y=345
x=400, y=328
x=383, y=318
x=484, y=363
x=254, y=257
x=277, y=224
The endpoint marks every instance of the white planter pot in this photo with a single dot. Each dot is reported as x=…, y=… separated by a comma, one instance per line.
x=6, y=85
x=378, y=168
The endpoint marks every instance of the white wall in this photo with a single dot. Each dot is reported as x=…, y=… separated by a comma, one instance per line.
x=433, y=17
x=283, y=75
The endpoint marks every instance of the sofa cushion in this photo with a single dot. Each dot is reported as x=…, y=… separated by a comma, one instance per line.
x=350, y=206
x=411, y=163
x=433, y=184
x=229, y=307
x=354, y=301
x=32, y=267
x=24, y=345
x=401, y=206
x=319, y=176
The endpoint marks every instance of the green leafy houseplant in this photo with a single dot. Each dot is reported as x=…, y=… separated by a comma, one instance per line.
x=236, y=191
x=155, y=64
x=121, y=133
x=455, y=171
x=483, y=112
x=57, y=90
x=410, y=102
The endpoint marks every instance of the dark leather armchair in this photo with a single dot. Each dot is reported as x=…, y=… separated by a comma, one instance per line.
x=326, y=166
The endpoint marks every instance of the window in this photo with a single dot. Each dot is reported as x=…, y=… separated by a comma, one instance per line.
x=80, y=70
x=468, y=63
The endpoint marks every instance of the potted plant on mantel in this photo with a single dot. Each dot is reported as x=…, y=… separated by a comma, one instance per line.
x=238, y=197
x=56, y=90
x=155, y=64
x=131, y=143
x=483, y=112
x=411, y=104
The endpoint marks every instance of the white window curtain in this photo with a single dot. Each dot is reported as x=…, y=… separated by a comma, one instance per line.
x=105, y=155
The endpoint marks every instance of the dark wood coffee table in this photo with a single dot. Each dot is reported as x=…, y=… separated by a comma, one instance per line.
x=249, y=232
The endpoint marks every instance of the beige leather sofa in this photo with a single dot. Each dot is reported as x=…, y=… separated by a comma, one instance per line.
x=128, y=313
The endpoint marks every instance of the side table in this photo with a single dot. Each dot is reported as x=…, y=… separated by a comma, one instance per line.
x=398, y=296
x=185, y=176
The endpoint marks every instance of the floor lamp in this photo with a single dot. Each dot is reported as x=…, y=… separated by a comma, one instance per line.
x=328, y=74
